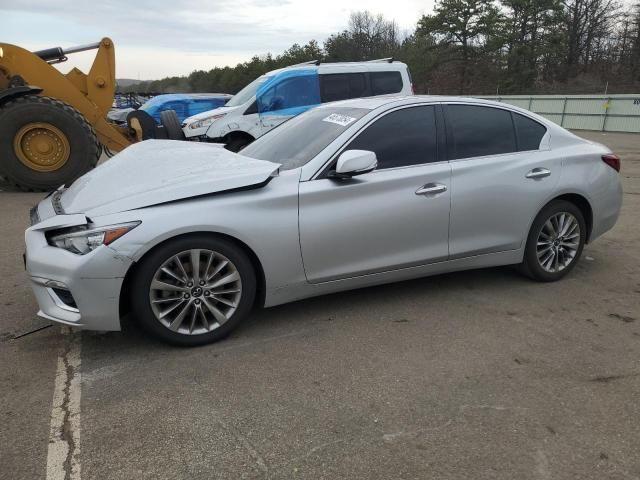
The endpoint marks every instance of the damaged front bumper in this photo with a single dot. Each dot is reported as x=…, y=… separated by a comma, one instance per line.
x=77, y=290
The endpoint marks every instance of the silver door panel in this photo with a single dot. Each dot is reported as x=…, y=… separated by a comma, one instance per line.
x=493, y=201
x=374, y=222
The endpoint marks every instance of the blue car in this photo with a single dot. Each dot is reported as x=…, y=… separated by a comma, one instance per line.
x=184, y=104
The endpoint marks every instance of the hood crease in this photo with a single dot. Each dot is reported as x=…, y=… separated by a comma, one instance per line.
x=161, y=171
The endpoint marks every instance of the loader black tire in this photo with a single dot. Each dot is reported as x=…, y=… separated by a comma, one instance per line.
x=238, y=142
x=21, y=116
x=142, y=125
x=171, y=123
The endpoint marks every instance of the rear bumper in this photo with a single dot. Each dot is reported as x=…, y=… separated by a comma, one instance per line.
x=606, y=209
x=93, y=280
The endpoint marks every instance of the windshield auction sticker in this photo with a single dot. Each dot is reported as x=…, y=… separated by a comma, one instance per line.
x=339, y=119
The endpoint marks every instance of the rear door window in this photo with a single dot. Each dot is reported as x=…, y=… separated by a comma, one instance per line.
x=343, y=86
x=476, y=131
x=529, y=132
x=401, y=138
x=385, y=83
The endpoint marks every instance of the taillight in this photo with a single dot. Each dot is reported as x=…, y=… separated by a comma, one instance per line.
x=612, y=160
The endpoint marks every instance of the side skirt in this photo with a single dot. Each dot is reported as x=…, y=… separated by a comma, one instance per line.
x=289, y=293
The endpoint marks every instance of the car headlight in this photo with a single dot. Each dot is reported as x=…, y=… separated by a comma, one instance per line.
x=205, y=122
x=82, y=240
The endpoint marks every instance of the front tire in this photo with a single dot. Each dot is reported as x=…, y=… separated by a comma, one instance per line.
x=555, y=242
x=193, y=290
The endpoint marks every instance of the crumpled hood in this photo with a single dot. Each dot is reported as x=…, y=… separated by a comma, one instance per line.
x=157, y=171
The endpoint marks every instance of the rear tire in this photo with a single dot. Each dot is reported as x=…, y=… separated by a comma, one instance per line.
x=171, y=123
x=45, y=143
x=555, y=242
x=212, y=309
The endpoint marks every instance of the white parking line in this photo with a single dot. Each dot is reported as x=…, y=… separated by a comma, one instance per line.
x=63, y=456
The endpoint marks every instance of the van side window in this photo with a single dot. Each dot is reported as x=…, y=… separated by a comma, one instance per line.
x=343, y=86
x=300, y=91
x=529, y=132
x=476, y=131
x=401, y=138
x=384, y=83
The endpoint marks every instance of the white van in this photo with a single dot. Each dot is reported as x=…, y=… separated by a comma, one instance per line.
x=281, y=94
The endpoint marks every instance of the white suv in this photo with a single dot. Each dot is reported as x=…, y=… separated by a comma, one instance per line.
x=281, y=94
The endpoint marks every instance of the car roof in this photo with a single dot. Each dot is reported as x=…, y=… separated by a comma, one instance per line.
x=371, y=103
x=166, y=97
x=198, y=95
x=371, y=65
x=388, y=102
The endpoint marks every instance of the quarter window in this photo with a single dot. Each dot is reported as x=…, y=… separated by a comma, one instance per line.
x=342, y=86
x=529, y=132
x=476, y=131
x=401, y=138
x=384, y=83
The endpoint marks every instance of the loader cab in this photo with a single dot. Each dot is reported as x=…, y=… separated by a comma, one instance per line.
x=282, y=94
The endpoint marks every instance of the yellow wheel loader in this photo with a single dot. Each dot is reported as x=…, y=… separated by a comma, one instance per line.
x=54, y=127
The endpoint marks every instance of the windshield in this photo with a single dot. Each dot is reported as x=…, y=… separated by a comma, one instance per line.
x=297, y=141
x=247, y=93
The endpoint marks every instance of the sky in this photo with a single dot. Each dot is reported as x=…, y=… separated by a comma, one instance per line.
x=159, y=38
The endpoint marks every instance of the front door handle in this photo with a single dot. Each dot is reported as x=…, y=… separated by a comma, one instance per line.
x=431, y=189
x=538, y=173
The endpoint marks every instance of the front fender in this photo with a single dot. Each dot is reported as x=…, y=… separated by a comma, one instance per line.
x=264, y=219
x=248, y=125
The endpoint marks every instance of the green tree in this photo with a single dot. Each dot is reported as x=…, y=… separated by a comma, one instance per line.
x=528, y=34
x=469, y=46
x=467, y=24
x=419, y=52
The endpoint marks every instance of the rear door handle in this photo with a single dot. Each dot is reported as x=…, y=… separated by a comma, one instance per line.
x=538, y=173
x=431, y=189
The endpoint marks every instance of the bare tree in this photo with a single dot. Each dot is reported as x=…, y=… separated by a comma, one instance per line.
x=373, y=34
x=588, y=25
x=368, y=37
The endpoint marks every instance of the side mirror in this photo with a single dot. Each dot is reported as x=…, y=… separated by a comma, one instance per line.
x=354, y=162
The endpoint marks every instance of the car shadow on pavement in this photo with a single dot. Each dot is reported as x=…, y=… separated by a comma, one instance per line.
x=360, y=305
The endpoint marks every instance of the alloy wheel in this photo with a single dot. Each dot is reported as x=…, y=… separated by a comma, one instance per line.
x=195, y=291
x=558, y=242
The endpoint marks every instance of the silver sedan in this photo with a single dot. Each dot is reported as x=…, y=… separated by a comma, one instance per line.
x=189, y=237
